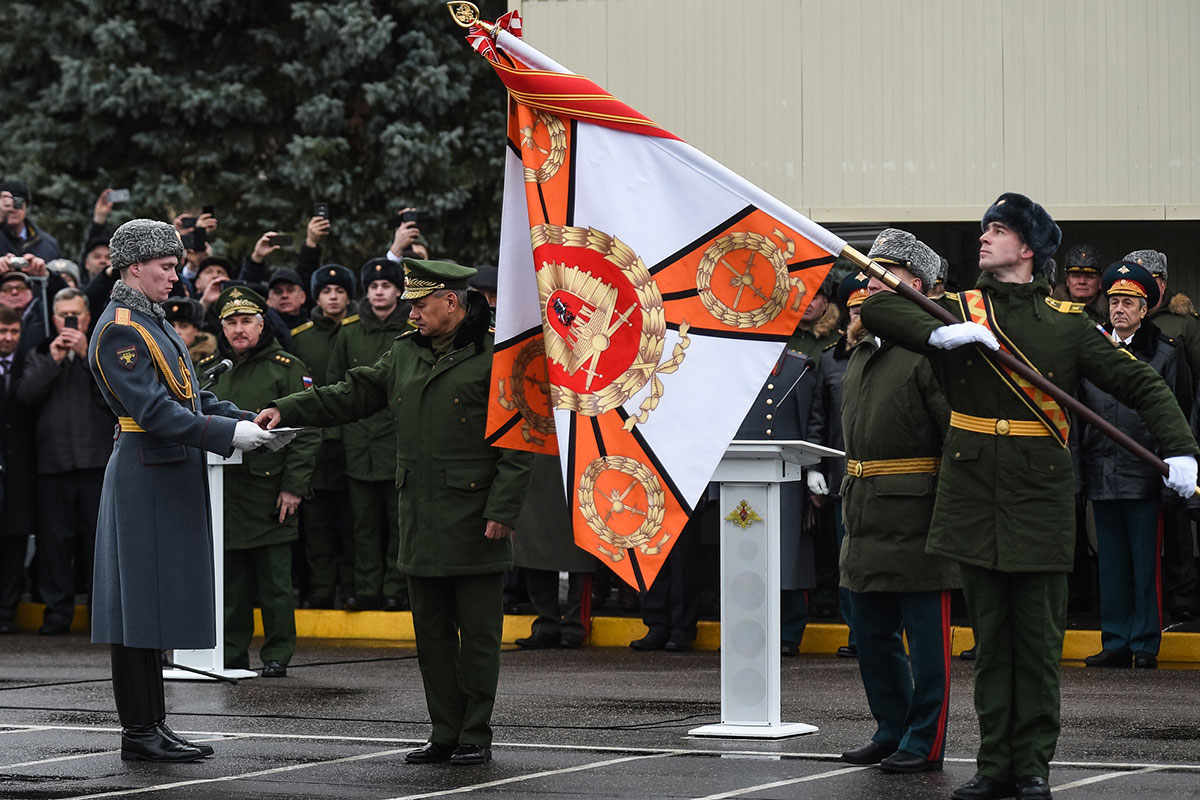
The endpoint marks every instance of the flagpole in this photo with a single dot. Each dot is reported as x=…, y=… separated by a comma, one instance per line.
x=1007, y=360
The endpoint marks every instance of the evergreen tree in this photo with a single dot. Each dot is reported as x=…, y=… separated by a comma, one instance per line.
x=259, y=109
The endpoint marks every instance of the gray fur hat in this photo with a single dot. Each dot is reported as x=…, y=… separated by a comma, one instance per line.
x=943, y=269
x=141, y=240
x=1154, y=261
x=894, y=247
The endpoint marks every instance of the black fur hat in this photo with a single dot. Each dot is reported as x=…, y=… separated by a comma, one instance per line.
x=381, y=269
x=331, y=275
x=1032, y=223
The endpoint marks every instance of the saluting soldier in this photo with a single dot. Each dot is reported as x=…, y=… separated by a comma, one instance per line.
x=325, y=515
x=894, y=418
x=1005, y=507
x=1176, y=317
x=262, y=493
x=1124, y=490
x=370, y=454
x=153, y=584
x=459, y=496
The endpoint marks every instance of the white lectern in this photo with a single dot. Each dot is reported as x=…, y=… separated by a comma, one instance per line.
x=213, y=661
x=750, y=475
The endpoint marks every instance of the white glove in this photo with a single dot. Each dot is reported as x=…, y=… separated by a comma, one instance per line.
x=816, y=482
x=1182, y=478
x=280, y=439
x=247, y=435
x=949, y=337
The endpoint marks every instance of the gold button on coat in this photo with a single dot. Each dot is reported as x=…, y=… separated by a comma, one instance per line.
x=1002, y=427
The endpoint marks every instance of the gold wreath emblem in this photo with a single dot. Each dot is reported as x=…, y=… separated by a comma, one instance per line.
x=743, y=515
x=555, y=157
x=592, y=333
x=760, y=306
x=518, y=383
x=618, y=489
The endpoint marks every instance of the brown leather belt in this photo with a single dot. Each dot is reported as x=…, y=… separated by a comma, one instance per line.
x=892, y=466
x=997, y=427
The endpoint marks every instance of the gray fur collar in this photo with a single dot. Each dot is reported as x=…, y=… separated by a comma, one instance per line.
x=123, y=293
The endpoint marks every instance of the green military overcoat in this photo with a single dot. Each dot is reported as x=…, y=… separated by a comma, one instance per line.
x=252, y=488
x=313, y=343
x=451, y=481
x=892, y=408
x=1007, y=503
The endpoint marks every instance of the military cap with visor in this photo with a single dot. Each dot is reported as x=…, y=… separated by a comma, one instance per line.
x=1084, y=258
x=896, y=248
x=1131, y=279
x=141, y=240
x=423, y=278
x=239, y=300
x=1154, y=262
x=331, y=275
x=852, y=290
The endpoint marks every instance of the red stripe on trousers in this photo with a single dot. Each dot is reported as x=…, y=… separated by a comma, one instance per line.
x=939, y=742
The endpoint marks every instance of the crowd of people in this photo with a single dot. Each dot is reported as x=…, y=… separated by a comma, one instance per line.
x=320, y=522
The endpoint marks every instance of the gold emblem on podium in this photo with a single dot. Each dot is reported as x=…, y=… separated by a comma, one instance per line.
x=743, y=515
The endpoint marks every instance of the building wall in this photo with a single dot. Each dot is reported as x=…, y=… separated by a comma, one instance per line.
x=912, y=110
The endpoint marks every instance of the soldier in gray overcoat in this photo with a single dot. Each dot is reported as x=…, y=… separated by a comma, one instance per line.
x=153, y=583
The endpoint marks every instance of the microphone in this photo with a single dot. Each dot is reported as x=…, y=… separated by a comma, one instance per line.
x=224, y=365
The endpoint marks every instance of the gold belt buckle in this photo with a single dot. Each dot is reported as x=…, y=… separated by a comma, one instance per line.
x=1002, y=427
x=858, y=469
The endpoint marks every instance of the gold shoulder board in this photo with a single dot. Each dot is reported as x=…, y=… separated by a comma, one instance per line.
x=951, y=296
x=122, y=316
x=350, y=319
x=302, y=328
x=282, y=359
x=1065, y=306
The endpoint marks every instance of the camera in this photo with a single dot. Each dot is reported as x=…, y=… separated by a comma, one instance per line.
x=71, y=321
x=422, y=218
x=18, y=202
x=321, y=210
x=207, y=210
x=281, y=239
x=118, y=196
x=187, y=222
x=18, y=262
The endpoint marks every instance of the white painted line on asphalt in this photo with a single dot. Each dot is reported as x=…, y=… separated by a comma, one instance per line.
x=1106, y=777
x=243, y=776
x=76, y=757
x=22, y=729
x=762, y=787
x=531, y=776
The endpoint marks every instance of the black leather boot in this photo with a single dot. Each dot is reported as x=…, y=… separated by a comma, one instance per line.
x=205, y=750
x=149, y=743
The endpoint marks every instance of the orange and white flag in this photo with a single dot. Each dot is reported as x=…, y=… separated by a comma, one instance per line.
x=645, y=293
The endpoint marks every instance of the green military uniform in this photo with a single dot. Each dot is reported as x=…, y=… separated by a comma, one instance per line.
x=370, y=458
x=434, y=394
x=824, y=332
x=324, y=514
x=258, y=558
x=1005, y=505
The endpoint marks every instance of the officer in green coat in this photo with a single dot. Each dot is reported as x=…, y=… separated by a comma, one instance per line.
x=894, y=420
x=370, y=456
x=459, y=497
x=264, y=491
x=1005, y=506
x=325, y=515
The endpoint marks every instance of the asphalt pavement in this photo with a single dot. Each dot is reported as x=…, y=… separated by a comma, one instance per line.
x=600, y=722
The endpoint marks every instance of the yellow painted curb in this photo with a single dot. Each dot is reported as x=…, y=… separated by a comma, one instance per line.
x=819, y=637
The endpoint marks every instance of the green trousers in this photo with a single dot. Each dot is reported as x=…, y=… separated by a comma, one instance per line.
x=268, y=570
x=458, y=622
x=324, y=517
x=1018, y=619
x=376, y=527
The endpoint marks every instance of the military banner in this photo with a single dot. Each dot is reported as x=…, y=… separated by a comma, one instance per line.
x=645, y=293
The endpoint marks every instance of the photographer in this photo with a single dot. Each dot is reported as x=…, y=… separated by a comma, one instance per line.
x=18, y=235
x=254, y=266
x=406, y=239
x=73, y=434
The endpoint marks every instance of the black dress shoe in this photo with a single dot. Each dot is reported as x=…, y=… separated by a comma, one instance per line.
x=1033, y=787
x=848, y=651
x=318, y=602
x=205, y=750
x=789, y=649
x=149, y=743
x=6, y=628
x=430, y=753
x=538, y=641
x=870, y=753
x=274, y=669
x=1109, y=658
x=361, y=603
x=395, y=603
x=1145, y=661
x=571, y=642
x=981, y=787
x=471, y=755
x=1182, y=614
x=654, y=640
x=904, y=761
x=678, y=646
x=968, y=655
x=54, y=629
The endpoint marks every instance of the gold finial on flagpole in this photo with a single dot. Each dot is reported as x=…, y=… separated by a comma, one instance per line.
x=466, y=15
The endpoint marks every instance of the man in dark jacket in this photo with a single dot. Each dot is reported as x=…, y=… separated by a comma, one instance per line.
x=459, y=496
x=1125, y=491
x=74, y=441
x=18, y=476
x=18, y=234
x=894, y=417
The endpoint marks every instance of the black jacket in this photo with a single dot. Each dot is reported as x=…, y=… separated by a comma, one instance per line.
x=16, y=437
x=825, y=417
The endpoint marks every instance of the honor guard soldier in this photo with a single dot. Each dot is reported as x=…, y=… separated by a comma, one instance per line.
x=1081, y=283
x=1176, y=317
x=1005, y=508
x=459, y=496
x=262, y=493
x=1124, y=490
x=153, y=587
x=325, y=515
x=894, y=418
x=370, y=454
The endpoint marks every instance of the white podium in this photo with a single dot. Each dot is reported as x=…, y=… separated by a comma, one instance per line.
x=750, y=475
x=212, y=661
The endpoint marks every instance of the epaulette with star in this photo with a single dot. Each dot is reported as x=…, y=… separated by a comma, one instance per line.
x=951, y=296
x=407, y=333
x=832, y=344
x=301, y=328
x=350, y=320
x=1065, y=306
x=282, y=359
x=208, y=358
